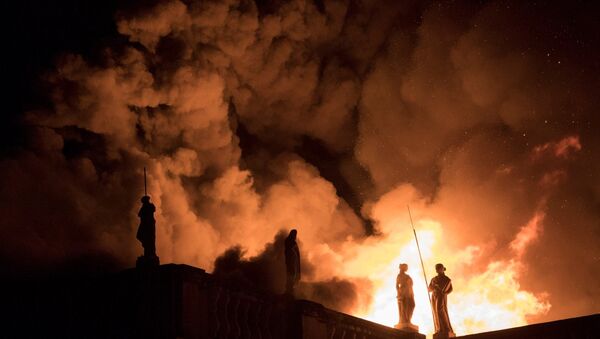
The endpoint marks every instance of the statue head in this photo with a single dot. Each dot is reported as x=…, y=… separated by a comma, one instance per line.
x=293, y=234
x=145, y=199
x=403, y=267
x=439, y=268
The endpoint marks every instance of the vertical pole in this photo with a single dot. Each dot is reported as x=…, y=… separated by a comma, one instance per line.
x=422, y=265
x=145, y=192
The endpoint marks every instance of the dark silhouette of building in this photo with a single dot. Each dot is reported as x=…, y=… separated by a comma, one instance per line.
x=180, y=301
x=174, y=301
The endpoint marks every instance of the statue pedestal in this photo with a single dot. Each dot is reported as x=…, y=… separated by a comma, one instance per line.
x=444, y=335
x=407, y=327
x=147, y=261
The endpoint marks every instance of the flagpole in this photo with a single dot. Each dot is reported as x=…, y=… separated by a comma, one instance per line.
x=421, y=257
x=145, y=191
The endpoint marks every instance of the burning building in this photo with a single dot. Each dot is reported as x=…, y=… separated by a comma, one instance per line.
x=257, y=116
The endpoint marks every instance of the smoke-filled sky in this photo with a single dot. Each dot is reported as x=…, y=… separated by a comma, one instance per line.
x=255, y=117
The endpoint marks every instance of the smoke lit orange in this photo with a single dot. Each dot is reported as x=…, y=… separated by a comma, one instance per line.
x=489, y=300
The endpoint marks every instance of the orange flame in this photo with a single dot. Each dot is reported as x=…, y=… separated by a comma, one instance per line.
x=490, y=300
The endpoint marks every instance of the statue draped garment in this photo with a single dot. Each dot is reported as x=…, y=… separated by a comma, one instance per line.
x=292, y=263
x=441, y=286
x=146, y=232
x=406, y=298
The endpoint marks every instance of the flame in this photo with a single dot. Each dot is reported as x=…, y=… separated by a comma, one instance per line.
x=489, y=300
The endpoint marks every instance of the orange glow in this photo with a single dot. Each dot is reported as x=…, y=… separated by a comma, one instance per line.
x=527, y=234
x=488, y=300
x=560, y=149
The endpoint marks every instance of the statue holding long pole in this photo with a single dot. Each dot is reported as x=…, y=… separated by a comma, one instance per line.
x=440, y=286
x=146, y=233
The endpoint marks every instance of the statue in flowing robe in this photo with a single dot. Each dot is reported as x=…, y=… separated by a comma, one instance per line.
x=406, y=300
x=292, y=261
x=440, y=287
x=146, y=233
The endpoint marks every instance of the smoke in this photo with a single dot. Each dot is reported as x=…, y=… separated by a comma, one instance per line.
x=264, y=272
x=329, y=117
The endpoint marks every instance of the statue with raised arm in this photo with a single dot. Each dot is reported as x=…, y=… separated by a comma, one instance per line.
x=406, y=300
x=440, y=287
x=146, y=233
x=292, y=262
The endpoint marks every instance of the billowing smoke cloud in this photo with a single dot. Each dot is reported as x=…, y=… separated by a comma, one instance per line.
x=329, y=117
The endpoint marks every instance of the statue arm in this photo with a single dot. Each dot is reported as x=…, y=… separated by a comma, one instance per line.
x=434, y=286
x=449, y=288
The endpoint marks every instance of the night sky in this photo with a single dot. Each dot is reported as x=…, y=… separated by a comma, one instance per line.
x=253, y=117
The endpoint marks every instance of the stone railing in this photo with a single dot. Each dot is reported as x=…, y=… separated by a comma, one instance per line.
x=218, y=310
x=173, y=301
x=320, y=322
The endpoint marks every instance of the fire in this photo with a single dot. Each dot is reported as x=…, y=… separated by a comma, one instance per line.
x=489, y=300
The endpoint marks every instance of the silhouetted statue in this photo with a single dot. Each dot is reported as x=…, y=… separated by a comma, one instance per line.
x=406, y=300
x=146, y=233
x=292, y=261
x=440, y=287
